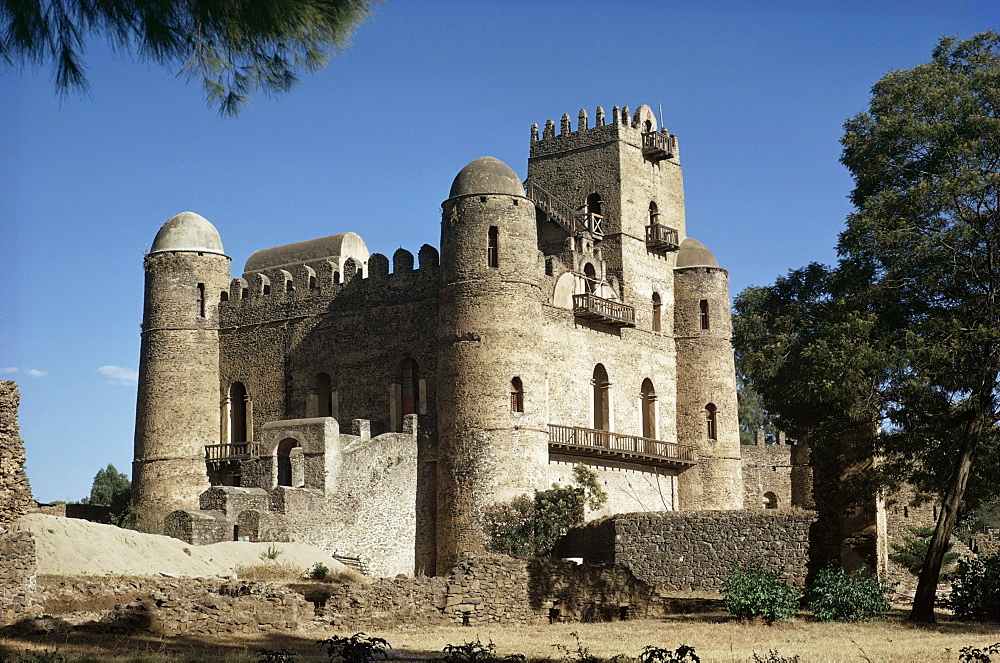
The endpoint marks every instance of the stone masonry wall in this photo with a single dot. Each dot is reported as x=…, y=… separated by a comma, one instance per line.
x=17, y=549
x=694, y=550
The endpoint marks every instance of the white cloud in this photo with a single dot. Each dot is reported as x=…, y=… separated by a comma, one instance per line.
x=119, y=374
x=35, y=373
x=7, y=370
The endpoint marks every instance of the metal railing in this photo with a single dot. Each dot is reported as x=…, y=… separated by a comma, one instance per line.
x=592, y=307
x=219, y=453
x=592, y=442
x=658, y=145
x=661, y=237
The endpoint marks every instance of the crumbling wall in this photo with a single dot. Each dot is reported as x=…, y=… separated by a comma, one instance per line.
x=17, y=549
x=695, y=550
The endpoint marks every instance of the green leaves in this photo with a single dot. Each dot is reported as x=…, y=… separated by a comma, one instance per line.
x=233, y=49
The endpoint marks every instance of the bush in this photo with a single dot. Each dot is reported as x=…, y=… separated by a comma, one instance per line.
x=357, y=648
x=682, y=654
x=318, y=571
x=477, y=652
x=972, y=654
x=975, y=588
x=839, y=597
x=754, y=592
x=911, y=552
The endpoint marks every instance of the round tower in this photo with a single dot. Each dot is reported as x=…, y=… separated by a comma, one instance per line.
x=177, y=411
x=707, y=414
x=492, y=444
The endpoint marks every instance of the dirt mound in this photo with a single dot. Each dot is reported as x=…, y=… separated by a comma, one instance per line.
x=68, y=546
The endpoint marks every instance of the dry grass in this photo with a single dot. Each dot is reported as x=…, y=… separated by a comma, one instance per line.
x=270, y=571
x=715, y=638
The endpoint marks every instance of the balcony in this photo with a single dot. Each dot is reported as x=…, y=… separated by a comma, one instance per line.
x=216, y=454
x=598, y=309
x=614, y=446
x=658, y=146
x=661, y=238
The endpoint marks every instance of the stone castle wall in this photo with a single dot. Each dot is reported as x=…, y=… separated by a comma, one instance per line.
x=17, y=549
x=695, y=550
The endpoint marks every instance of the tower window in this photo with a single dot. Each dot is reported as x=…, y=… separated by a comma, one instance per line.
x=289, y=286
x=246, y=293
x=238, y=399
x=201, y=300
x=408, y=387
x=224, y=296
x=656, y=311
x=267, y=288
x=654, y=212
x=516, y=395
x=711, y=423
x=602, y=398
x=312, y=282
x=493, y=248
x=648, y=409
x=324, y=395
x=703, y=313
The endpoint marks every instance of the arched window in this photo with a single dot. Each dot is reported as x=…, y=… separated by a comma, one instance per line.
x=312, y=282
x=201, y=300
x=493, y=248
x=602, y=398
x=284, y=461
x=654, y=212
x=224, y=296
x=595, y=213
x=289, y=286
x=516, y=395
x=267, y=288
x=770, y=500
x=591, y=274
x=409, y=388
x=324, y=395
x=648, y=409
x=238, y=399
x=245, y=294
x=703, y=313
x=711, y=423
x=594, y=203
x=647, y=126
x=656, y=311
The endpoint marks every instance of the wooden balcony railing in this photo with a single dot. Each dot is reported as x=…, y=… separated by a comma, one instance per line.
x=661, y=238
x=592, y=307
x=221, y=453
x=590, y=442
x=554, y=208
x=658, y=146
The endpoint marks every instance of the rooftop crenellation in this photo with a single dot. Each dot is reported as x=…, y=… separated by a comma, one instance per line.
x=643, y=119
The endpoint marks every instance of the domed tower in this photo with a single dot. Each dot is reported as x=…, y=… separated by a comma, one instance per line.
x=491, y=385
x=706, y=381
x=177, y=412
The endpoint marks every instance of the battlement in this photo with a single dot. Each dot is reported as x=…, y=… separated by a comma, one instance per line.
x=639, y=128
x=319, y=281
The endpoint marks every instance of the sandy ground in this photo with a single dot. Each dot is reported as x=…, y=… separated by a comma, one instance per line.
x=68, y=546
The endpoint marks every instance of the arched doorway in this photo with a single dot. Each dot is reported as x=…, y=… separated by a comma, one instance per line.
x=284, y=453
x=238, y=428
x=602, y=398
x=648, y=409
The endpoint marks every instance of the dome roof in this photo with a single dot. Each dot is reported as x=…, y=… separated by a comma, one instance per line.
x=695, y=254
x=342, y=245
x=187, y=231
x=486, y=175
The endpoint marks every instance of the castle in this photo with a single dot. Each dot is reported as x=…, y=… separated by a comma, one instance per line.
x=319, y=397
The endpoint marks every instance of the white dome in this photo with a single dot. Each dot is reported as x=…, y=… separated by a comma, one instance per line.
x=187, y=231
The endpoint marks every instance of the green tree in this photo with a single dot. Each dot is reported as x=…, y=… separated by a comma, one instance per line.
x=911, y=553
x=753, y=415
x=111, y=488
x=900, y=343
x=233, y=48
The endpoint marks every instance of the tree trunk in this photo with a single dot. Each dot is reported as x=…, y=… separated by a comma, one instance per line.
x=923, y=600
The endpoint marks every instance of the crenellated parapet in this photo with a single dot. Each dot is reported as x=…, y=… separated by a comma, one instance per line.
x=288, y=291
x=639, y=128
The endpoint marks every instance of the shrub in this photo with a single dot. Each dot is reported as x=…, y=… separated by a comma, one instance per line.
x=839, y=597
x=357, y=648
x=682, y=654
x=911, y=552
x=274, y=656
x=754, y=592
x=477, y=652
x=975, y=588
x=773, y=657
x=318, y=571
x=272, y=552
x=972, y=654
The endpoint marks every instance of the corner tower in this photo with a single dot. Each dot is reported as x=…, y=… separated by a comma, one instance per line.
x=706, y=380
x=491, y=385
x=177, y=410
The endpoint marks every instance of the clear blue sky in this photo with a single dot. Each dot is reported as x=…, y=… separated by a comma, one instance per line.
x=757, y=93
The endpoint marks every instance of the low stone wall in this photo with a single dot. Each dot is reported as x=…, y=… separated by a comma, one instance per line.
x=18, y=597
x=694, y=550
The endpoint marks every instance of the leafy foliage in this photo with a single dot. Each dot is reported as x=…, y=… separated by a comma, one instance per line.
x=972, y=654
x=682, y=654
x=274, y=655
x=911, y=553
x=975, y=588
x=753, y=415
x=754, y=592
x=773, y=656
x=112, y=489
x=837, y=596
x=477, y=652
x=318, y=571
x=530, y=527
x=233, y=48
x=357, y=648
